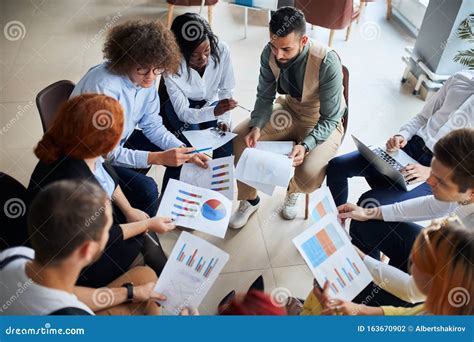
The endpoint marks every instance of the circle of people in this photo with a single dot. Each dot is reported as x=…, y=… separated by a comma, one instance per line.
x=92, y=222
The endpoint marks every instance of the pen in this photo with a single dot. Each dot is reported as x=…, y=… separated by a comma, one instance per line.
x=248, y=110
x=200, y=150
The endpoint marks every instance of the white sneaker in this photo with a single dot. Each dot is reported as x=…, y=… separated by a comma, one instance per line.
x=290, y=207
x=242, y=215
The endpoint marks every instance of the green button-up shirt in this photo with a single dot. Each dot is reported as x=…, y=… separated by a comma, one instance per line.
x=291, y=82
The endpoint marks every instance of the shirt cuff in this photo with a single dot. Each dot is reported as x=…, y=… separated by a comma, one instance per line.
x=310, y=142
x=405, y=134
x=142, y=159
x=388, y=214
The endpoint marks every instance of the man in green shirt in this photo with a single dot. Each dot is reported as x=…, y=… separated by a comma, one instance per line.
x=308, y=77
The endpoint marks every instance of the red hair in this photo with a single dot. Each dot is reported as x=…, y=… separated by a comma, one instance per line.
x=86, y=126
x=254, y=303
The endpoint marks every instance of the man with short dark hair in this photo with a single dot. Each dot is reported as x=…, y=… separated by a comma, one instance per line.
x=68, y=224
x=452, y=182
x=309, y=77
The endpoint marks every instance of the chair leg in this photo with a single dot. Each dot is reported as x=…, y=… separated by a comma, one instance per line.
x=389, y=9
x=246, y=21
x=348, y=33
x=170, y=15
x=306, y=207
x=331, y=37
x=209, y=14
x=361, y=8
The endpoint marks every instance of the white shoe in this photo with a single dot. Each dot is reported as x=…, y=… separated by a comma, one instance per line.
x=242, y=215
x=290, y=206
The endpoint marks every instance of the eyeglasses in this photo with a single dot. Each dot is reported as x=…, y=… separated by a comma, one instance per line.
x=146, y=71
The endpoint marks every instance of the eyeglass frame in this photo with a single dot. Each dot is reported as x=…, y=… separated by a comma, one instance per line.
x=156, y=71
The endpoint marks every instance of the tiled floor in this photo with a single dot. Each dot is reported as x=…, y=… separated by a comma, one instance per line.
x=62, y=39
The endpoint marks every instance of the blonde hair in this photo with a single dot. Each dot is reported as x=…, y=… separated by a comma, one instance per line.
x=446, y=253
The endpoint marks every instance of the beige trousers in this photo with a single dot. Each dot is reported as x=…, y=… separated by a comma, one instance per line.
x=310, y=174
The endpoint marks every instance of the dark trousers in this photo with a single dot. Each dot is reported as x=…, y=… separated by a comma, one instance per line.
x=383, y=190
x=177, y=127
x=395, y=240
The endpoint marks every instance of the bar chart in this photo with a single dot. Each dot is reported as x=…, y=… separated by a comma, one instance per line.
x=198, y=263
x=186, y=204
x=220, y=177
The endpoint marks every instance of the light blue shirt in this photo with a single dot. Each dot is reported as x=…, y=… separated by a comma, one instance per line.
x=141, y=109
x=103, y=177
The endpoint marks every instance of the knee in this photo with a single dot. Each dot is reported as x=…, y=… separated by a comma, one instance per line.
x=141, y=275
x=150, y=189
x=368, y=200
x=335, y=165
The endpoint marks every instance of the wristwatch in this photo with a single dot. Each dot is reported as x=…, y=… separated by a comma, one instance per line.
x=306, y=147
x=129, y=287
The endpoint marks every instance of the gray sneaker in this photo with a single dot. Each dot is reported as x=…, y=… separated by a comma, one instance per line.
x=242, y=215
x=290, y=206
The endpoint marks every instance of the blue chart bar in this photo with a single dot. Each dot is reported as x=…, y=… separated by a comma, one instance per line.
x=314, y=251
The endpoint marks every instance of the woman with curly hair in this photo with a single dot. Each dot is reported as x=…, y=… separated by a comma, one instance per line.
x=136, y=53
x=201, y=91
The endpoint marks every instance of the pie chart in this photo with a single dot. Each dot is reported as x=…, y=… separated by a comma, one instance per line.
x=213, y=210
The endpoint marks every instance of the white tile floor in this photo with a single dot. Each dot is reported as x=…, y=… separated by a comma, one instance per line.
x=62, y=39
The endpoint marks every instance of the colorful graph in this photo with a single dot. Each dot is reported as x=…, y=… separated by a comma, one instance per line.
x=343, y=276
x=322, y=245
x=219, y=172
x=202, y=266
x=321, y=209
x=187, y=204
x=213, y=210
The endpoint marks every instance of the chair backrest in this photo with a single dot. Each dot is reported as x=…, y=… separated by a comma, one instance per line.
x=14, y=202
x=331, y=14
x=51, y=98
x=345, y=83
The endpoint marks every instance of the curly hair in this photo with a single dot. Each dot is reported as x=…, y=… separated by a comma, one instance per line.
x=86, y=126
x=144, y=44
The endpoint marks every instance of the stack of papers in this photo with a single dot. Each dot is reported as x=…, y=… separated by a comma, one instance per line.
x=266, y=166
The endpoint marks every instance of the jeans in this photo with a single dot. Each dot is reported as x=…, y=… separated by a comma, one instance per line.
x=354, y=164
x=176, y=126
x=140, y=190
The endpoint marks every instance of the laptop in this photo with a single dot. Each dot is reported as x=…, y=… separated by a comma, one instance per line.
x=387, y=163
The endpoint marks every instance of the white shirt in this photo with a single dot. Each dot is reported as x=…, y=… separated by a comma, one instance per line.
x=217, y=83
x=19, y=295
x=393, y=280
x=423, y=208
x=427, y=208
x=451, y=108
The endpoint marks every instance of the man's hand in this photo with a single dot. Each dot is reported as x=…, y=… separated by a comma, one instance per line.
x=172, y=157
x=142, y=293
x=252, y=137
x=395, y=143
x=357, y=213
x=321, y=294
x=135, y=215
x=200, y=159
x=224, y=106
x=161, y=225
x=297, y=154
x=415, y=173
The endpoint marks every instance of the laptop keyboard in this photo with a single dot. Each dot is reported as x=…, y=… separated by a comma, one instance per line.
x=388, y=159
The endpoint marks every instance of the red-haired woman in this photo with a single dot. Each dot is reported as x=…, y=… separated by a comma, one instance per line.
x=85, y=128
